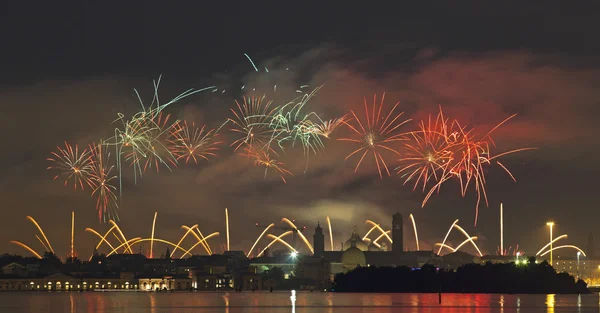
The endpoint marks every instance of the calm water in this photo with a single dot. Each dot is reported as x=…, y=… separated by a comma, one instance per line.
x=118, y=302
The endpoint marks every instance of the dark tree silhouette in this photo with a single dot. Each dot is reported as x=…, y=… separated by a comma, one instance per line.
x=469, y=278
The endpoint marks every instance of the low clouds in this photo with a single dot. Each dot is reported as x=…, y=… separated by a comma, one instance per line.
x=556, y=105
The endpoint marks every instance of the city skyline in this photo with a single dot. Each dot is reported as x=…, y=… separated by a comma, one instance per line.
x=545, y=74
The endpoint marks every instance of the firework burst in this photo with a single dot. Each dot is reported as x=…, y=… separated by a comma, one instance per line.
x=291, y=124
x=326, y=128
x=427, y=153
x=102, y=184
x=251, y=121
x=262, y=158
x=72, y=164
x=193, y=143
x=375, y=134
x=444, y=150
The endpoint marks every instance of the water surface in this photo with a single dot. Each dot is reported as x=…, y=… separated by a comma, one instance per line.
x=255, y=302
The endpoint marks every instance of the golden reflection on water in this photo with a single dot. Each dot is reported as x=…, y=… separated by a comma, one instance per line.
x=72, y=302
x=152, y=303
x=330, y=302
x=502, y=303
x=550, y=303
x=226, y=300
x=293, y=301
x=414, y=300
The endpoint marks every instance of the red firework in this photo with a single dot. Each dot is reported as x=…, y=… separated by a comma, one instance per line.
x=262, y=158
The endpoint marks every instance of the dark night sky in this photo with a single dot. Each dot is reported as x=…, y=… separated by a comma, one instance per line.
x=68, y=70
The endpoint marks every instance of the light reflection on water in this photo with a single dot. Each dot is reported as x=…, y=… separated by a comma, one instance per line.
x=295, y=302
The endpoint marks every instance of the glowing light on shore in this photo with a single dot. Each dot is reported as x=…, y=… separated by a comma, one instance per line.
x=412, y=218
x=258, y=239
x=330, y=233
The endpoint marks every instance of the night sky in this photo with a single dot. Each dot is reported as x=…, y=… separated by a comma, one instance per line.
x=68, y=70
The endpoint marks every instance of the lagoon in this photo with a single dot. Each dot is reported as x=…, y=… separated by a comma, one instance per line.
x=265, y=302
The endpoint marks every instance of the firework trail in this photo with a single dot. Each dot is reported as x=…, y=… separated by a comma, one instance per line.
x=330, y=233
x=412, y=218
x=192, y=143
x=263, y=158
x=469, y=159
x=375, y=134
x=227, y=226
x=443, y=149
x=326, y=128
x=136, y=139
x=258, y=238
x=290, y=124
x=73, y=164
x=101, y=181
x=159, y=152
x=252, y=121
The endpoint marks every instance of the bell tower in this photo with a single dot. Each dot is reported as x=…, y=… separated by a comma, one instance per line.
x=319, y=241
x=397, y=233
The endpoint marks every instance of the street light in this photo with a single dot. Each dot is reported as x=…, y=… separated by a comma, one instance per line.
x=518, y=254
x=550, y=224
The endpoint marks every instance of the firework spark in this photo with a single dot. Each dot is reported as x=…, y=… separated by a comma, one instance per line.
x=326, y=128
x=443, y=149
x=263, y=158
x=193, y=143
x=252, y=121
x=72, y=164
x=426, y=153
x=375, y=134
x=102, y=186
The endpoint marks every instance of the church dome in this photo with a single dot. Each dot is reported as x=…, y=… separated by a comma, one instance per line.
x=356, y=241
x=353, y=257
